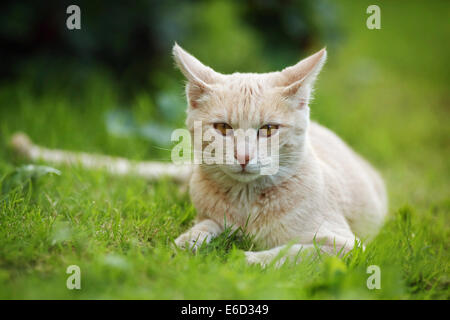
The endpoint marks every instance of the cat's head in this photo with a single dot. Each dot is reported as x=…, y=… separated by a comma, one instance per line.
x=274, y=106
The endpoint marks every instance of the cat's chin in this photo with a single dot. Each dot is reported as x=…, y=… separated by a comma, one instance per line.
x=243, y=176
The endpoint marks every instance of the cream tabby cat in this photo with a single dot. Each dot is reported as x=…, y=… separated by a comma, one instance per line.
x=323, y=192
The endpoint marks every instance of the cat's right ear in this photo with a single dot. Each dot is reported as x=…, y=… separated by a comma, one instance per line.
x=200, y=77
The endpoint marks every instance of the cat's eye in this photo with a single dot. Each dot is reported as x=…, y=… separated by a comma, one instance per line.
x=267, y=130
x=223, y=128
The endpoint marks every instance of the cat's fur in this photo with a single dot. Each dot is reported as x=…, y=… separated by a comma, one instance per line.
x=323, y=194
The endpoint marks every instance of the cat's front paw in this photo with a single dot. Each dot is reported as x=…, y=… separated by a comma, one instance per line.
x=255, y=258
x=192, y=240
x=263, y=258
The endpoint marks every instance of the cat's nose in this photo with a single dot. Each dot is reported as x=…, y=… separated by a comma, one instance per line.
x=242, y=159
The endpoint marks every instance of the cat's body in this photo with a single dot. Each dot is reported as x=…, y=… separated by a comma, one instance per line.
x=323, y=193
x=333, y=193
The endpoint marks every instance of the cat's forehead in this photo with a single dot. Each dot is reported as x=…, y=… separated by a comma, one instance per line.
x=246, y=100
x=248, y=81
x=246, y=87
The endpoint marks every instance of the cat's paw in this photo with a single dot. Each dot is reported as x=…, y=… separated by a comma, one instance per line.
x=263, y=258
x=255, y=258
x=192, y=240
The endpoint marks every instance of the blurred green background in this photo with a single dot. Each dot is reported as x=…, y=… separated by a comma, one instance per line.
x=132, y=43
x=112, y=88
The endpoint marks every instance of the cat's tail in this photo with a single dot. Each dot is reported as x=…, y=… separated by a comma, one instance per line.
x=22, y=144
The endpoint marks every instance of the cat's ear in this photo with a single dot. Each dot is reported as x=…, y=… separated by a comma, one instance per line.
x=299, y=79
x=200, y=77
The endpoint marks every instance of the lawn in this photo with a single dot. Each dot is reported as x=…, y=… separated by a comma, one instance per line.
x=383, y=91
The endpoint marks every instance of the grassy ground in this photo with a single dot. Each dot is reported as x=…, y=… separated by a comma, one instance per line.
x=385, y=92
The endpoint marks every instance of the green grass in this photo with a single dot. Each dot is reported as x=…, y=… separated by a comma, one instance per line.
x=385, y=92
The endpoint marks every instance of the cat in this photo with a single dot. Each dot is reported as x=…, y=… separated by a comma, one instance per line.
x=323, y=192
x=323, y=196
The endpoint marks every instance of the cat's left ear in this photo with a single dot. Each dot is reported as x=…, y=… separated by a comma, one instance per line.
x=299, y=79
